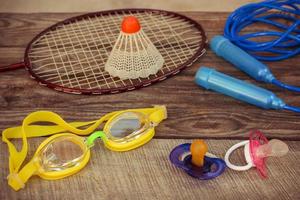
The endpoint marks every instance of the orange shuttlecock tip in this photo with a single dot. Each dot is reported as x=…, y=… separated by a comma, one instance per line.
x=198, y=150
x=130, y=24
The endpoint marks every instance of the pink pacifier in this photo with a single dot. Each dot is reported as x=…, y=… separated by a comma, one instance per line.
x=256, y=150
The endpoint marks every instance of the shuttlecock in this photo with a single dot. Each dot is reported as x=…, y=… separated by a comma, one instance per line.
x=134, y=55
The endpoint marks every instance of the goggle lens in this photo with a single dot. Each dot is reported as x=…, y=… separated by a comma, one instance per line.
x=128, y=123
x=62, y=153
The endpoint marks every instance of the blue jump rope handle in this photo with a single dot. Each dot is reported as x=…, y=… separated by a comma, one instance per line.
x=241, y=90
x=242, y=60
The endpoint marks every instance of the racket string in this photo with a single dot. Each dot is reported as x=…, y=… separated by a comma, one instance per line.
x=103, y=56
x=174, y=26
x=170, y=52
x=176, y=38
x=75, y=53
x=54, y=63
x=92, y=58
x=66, y=73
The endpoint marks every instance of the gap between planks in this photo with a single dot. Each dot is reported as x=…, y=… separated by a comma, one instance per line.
x=146, y=173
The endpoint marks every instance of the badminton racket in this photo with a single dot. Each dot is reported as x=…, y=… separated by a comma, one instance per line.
x=70, y=55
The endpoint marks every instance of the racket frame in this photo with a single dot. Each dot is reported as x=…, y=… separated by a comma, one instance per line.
x=192, y=60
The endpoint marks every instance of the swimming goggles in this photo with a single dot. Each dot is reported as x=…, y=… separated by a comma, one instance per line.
x=65, y=153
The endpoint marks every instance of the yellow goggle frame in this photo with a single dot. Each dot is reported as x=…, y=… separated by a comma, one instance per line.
x=17, y=177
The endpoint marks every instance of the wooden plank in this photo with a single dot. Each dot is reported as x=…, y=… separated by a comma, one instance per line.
x=94, y=5
x=193, y=111
x=19, y=29
x=147, y=173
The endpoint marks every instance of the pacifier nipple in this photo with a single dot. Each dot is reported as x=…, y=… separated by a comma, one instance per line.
x=275, y=148
x=198, y=150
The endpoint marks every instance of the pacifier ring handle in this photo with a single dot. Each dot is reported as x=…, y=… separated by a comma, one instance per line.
x=229, y=152
x=181, y=157
x=220, y=167
x=176, y=155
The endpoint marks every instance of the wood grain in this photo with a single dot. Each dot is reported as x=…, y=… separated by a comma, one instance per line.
x=193, y=111
x=146, y=173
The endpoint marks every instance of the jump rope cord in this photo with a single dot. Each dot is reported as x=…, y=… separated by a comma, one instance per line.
x=287, y=38
x=292, y=108
x=283, y=15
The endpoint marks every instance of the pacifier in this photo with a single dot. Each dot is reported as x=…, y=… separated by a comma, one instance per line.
x=256, y=150
x=196, y=161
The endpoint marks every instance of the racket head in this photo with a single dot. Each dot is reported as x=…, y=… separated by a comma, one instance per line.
x=56, y=43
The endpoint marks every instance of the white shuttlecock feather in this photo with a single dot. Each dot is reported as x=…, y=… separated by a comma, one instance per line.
x=134, y=55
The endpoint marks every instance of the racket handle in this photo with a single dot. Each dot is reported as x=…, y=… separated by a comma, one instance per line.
x=12, y=67
x=238, y=89
x=242, y=60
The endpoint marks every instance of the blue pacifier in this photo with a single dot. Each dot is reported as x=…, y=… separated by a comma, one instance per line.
x=195, y=161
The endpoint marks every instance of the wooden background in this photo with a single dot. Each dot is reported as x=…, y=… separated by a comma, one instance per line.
x=30, y=6
x=193, y=112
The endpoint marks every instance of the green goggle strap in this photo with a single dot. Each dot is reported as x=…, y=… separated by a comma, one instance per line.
x=91, y=139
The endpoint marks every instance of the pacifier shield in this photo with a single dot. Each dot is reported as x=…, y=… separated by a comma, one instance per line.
x=256, y=140
x=181, y=157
